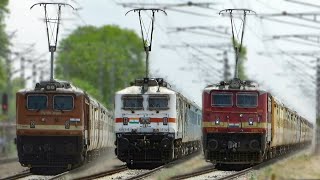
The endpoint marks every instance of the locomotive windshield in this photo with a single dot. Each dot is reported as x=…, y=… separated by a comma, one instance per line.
x=158, y=102
x=37, y=102
x=132, y=102
x=222, y=100
x=63, y=102
x=247, y=100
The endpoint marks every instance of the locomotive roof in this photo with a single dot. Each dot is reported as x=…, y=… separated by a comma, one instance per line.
x=60, y=87
x=234, y=84
x=237, y=84
x=154, y=86
x=151, y=90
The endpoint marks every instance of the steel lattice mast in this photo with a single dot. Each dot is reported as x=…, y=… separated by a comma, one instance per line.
x=52, y=36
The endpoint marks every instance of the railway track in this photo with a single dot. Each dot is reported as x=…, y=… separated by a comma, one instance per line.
x=150, y=172
x=18, y=176
x=199, y=172
x=210, y=169
x=237, y=174
x=103, y=174
x=146, y=174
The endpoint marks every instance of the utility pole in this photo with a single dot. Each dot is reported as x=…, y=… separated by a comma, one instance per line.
x=237, y=47
x=317, y=125
x=52, y=34
x=147, y=41
x=34, y=74
x=22, y=71
x=318, y=89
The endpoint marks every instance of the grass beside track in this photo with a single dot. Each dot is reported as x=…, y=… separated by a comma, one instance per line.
x=301, y=167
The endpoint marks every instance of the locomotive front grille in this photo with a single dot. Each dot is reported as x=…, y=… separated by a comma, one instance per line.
x=49, y=151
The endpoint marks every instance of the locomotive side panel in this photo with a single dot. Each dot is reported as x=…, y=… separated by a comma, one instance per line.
x=190, y=121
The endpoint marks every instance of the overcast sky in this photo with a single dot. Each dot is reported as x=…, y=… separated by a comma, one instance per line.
x=190, y=69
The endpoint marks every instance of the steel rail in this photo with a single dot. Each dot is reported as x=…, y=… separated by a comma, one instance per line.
x=202, y=171
x=237, y=174
x=105, y=173
x=146, y=174
x=177, y=161
x=58, y=176
x=18, y=176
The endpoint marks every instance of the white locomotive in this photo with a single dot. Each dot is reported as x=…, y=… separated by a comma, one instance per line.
x=155, y=124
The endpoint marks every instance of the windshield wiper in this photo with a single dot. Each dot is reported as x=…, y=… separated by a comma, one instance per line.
x=59, y=108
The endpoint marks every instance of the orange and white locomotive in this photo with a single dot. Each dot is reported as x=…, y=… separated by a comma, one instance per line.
x=245, y=125
x=155, y=124
x=59, y=127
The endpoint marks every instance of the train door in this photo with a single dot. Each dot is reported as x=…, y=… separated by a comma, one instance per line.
x=269, y=118
x=86, y=121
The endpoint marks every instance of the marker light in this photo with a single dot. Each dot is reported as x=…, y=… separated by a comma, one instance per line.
x=250, y=121
x=165, y=121
x=125, y=121
x=217, y=121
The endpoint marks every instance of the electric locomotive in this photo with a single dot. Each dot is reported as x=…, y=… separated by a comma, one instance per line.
x=155, y=124
x=243, y=124
x=59, y=127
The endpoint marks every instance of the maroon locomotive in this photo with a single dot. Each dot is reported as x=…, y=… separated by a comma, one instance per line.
x=245, y=125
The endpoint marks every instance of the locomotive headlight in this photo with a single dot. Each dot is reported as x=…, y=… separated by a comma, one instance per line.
x=50, y=87
x=217, y=121
x=250, y=121
x=241, y=115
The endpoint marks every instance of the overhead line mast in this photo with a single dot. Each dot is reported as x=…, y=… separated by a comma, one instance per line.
x=237, y=48
x=147, y=43
x=52, y=36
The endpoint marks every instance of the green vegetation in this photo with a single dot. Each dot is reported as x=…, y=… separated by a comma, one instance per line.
x=242, y=59
x=4, y=41
x=100, y=60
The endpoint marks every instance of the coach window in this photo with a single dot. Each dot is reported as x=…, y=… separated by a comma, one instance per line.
x=222, y=100
x=37, y=102
x=132, y=102
x=247, y=100
x=63, y=102
x=158, y=102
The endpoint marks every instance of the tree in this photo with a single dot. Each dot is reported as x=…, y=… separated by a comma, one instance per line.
x=4, y=41
x=242, y=59
x=100, y=60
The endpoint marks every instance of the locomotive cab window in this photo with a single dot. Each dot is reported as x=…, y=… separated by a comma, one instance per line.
x=132, y=102
x=63, y=102
x=222, y=100
x=37, y=102
x=158, y=102
x=247, y=100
